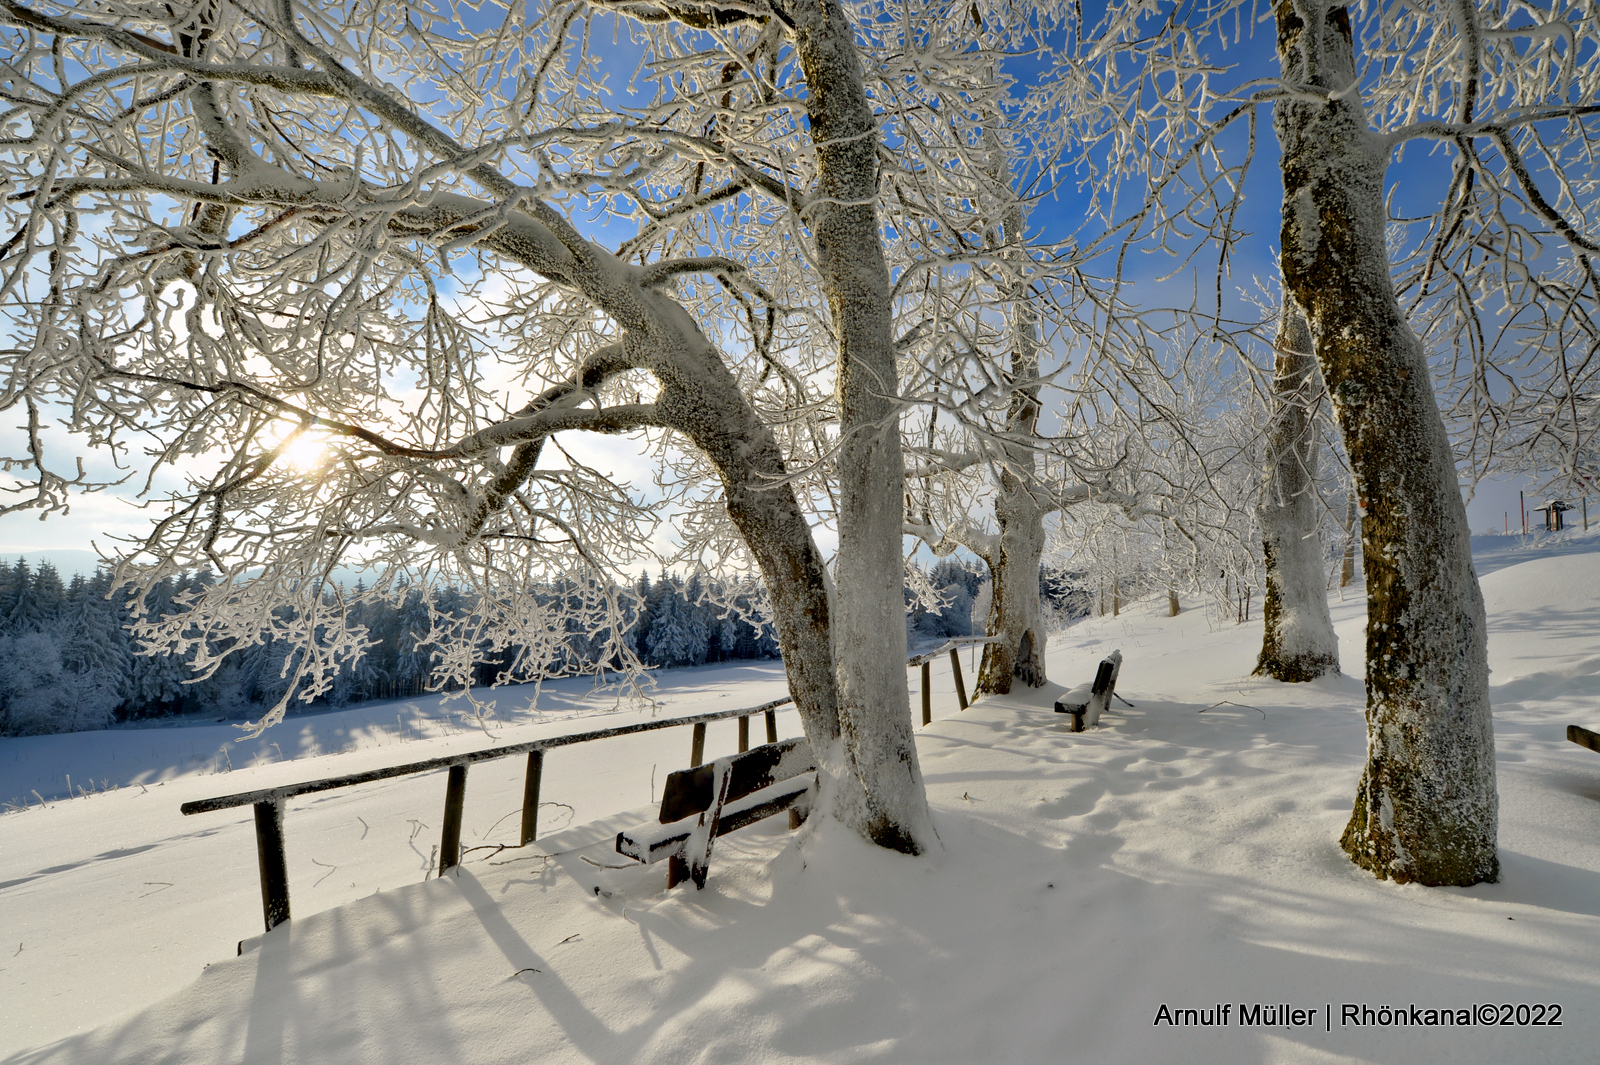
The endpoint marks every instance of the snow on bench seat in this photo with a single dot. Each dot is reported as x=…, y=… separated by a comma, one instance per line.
x=1087, y=702
x=702, y=803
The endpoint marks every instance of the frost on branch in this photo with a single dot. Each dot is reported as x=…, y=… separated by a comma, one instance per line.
x=317, y=272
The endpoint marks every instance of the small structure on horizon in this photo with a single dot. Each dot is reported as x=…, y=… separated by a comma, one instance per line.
x=1552, y=512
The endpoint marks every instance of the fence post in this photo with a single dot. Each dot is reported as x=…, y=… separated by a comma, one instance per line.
x=961, y=685
x=927, y=693
x=772, y=726
x=744, y=734
x=274, y=866
x=530, y=796
x=697, y=746
x=455, y=795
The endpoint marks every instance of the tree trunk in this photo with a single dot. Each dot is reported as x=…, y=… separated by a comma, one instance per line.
x=869, y=633
x=1014, y=604
x=1298, y=643
x=1014, y=570
x=1426, y=809
x=708, y=408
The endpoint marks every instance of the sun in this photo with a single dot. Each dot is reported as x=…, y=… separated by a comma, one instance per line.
x=308, y=451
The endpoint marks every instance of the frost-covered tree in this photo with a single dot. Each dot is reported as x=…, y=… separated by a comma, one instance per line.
x=678, y=636
x=1298, y=642
x=20, y=611
x=1426, y=808
x=986, y=484
x=1492, y=253
x=322, y=260
x=158, y=680
x=38, y=695
x=91, y=633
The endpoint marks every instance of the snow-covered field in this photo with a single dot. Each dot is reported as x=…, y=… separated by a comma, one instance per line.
x=1183, y=856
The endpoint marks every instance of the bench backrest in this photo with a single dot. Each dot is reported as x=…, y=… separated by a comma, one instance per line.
x=688, y=791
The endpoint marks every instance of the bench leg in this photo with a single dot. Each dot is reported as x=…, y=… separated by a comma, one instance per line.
x=455, y=796
x=274, y=866
x=530, y=797
x=697, y=849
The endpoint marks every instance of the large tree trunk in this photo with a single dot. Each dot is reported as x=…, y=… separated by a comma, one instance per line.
x=1426, y=809
x=869, y=632
x=707, y=407
x=1298, y=643
x=1014, y=613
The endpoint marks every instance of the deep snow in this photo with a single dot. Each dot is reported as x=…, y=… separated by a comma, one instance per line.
x=1172, y=856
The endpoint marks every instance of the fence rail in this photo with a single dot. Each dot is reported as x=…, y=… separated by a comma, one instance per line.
x=488, y=754
x=269, y=802
x=926, y=661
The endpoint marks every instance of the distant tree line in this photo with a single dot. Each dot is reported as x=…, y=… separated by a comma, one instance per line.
x=68, y=662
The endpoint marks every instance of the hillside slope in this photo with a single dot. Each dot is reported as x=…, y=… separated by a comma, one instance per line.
x=1182, y=856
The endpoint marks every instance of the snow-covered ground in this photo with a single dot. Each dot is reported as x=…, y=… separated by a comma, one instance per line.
x=1183, y=856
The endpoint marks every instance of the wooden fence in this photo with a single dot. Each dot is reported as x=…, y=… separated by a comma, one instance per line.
x=926, y=662
x=269, y=802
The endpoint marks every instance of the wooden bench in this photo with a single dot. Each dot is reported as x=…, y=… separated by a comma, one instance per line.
x=700, y=804
x=1087, y=702
x=1584, y=738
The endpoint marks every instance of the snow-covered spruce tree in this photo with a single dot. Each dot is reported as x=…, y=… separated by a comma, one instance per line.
x=322, y=257
x=1426, y=808
x=1298, y=642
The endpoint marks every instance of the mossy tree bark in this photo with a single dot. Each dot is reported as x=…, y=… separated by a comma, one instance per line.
x=1426, y=809
x=1298, y=642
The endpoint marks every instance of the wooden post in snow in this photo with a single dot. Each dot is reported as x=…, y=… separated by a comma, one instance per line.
x=455, y=797
x=274, y=866
x=530, y=796
x=927, y=693
x=961, y=685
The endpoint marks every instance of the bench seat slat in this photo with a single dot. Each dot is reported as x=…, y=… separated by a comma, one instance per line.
x=653, y=843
